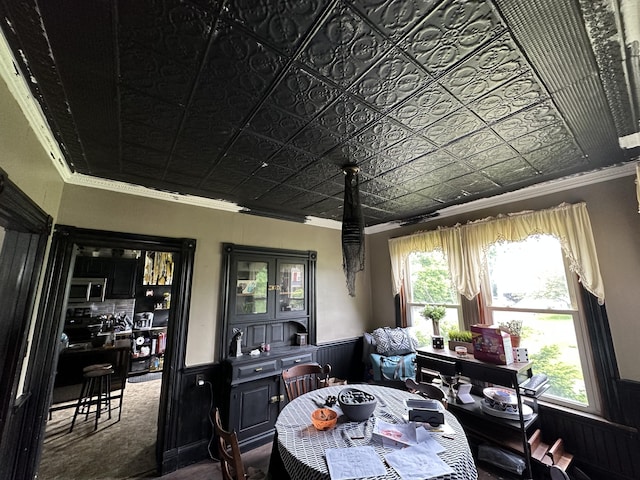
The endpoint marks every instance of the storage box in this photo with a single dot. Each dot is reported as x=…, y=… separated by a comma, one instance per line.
x=490, y=344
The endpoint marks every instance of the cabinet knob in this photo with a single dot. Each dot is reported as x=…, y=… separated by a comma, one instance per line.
x=298, y=360
x=258, y=369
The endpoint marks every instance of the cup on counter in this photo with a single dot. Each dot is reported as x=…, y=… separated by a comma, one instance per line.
x=461, y=351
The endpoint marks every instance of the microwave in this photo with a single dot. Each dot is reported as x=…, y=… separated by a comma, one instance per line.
x=87, y=290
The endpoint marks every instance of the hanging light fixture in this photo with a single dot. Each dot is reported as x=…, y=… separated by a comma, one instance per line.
x=352, y=228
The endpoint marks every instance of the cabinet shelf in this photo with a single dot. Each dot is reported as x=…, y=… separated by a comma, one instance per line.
x=510, y=434
x=475, y=409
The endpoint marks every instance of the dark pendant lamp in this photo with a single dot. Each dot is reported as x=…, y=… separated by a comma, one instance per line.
x=352, y=228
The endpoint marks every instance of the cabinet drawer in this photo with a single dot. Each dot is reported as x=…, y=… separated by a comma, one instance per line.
x=254, y=370
x=291, y=361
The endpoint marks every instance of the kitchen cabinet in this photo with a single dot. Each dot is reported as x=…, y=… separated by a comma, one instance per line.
x=120, y=273
x=514, y=435
x=268, y=298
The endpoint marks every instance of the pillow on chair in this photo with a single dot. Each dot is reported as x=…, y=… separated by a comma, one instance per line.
x=394, y=341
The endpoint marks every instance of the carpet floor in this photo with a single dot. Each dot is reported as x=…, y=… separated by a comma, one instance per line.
x=116, y=450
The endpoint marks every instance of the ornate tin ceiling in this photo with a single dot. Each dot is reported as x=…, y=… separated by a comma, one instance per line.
x=262, y=102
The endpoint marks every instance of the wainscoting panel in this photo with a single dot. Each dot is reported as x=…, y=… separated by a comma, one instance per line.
x=600, y=449
x=345, y=358
x=629, y=392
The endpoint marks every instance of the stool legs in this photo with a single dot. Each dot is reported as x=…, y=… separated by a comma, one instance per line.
x=96, y=383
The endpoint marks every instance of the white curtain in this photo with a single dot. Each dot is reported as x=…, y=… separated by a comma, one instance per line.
x=466, y=245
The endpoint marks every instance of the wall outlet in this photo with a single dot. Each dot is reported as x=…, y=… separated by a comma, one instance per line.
x=199, y=379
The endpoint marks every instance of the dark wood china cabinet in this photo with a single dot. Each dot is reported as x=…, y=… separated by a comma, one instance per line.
x=268, y=308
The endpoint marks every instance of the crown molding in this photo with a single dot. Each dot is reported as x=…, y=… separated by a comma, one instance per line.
x=31, y=109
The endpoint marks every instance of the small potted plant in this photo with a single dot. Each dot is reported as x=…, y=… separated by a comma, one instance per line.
x=513, y=328
x=461, y=338
x=435, y=313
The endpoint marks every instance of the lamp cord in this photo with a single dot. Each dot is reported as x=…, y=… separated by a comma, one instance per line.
x=211, y=421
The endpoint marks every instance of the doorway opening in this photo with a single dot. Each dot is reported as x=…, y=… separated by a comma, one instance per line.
x=142, y=311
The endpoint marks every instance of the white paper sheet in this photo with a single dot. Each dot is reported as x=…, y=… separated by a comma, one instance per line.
x=354, y=462
x=426, y=439
x=417, y=462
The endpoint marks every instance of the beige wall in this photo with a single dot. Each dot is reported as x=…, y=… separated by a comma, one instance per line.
x=612, y=208
x=23, y=158
x=339, y=316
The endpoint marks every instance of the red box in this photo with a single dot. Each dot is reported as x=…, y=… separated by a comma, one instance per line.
x=490, y=344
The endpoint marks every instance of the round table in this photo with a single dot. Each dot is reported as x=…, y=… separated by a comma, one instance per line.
x=302, y=447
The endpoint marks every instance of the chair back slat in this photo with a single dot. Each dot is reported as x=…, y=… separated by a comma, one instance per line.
x=229, y=452
x=304, y=378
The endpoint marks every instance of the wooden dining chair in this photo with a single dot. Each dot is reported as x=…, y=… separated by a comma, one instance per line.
x=427, y=390
x=229, y=452
x=304, y=378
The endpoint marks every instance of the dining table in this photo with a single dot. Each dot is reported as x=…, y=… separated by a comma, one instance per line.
x=302, y=447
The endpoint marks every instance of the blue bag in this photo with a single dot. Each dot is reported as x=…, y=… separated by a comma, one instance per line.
x=393, y=367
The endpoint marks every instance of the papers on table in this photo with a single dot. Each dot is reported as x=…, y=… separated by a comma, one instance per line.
x=416, y=457
x=417, y=462
x=354, y=462
x=393, y=433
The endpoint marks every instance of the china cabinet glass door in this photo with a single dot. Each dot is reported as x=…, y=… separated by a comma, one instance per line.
x=252, y=283
x=292, y=287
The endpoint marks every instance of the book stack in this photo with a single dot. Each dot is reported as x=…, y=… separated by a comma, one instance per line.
x=535, y=385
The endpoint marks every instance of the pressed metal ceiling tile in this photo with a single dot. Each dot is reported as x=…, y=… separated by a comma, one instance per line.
x=344, y=47
x=263, y=102
x=427, y=106
x=491, y=156
x=474, y=143
x=301, y=93
x=527, y=121
x=508, y=99
x=496, y=63
x=453, y=31
x=281, y=24
x=458, y=124
x=510, y=171
x=272, y=122
x=394, y=78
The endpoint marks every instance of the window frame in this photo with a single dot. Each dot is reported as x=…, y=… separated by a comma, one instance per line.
x=583, y=340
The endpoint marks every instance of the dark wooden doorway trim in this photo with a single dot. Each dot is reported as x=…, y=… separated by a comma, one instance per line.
x=26, y=232
x=65, y=239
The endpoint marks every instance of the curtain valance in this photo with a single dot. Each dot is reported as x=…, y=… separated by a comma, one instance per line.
x=465, y=246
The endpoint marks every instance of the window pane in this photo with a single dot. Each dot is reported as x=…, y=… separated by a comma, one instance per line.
x=528, y=281
x=528, y=274
x=552, y=345
x=423, y=328
x=430, y=279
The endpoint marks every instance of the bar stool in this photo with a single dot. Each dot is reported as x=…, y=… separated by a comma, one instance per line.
x=96, y=382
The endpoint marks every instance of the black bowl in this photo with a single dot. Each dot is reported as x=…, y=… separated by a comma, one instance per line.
x=356, y=404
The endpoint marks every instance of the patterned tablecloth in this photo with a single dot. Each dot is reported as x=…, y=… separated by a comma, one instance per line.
x=302, y=447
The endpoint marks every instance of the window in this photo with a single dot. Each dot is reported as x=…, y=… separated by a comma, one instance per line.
x=530, y=281
x=430, y=284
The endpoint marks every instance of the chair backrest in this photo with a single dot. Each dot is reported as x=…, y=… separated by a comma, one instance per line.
x=304, y=378
x=427, y=390
x=229, y=452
